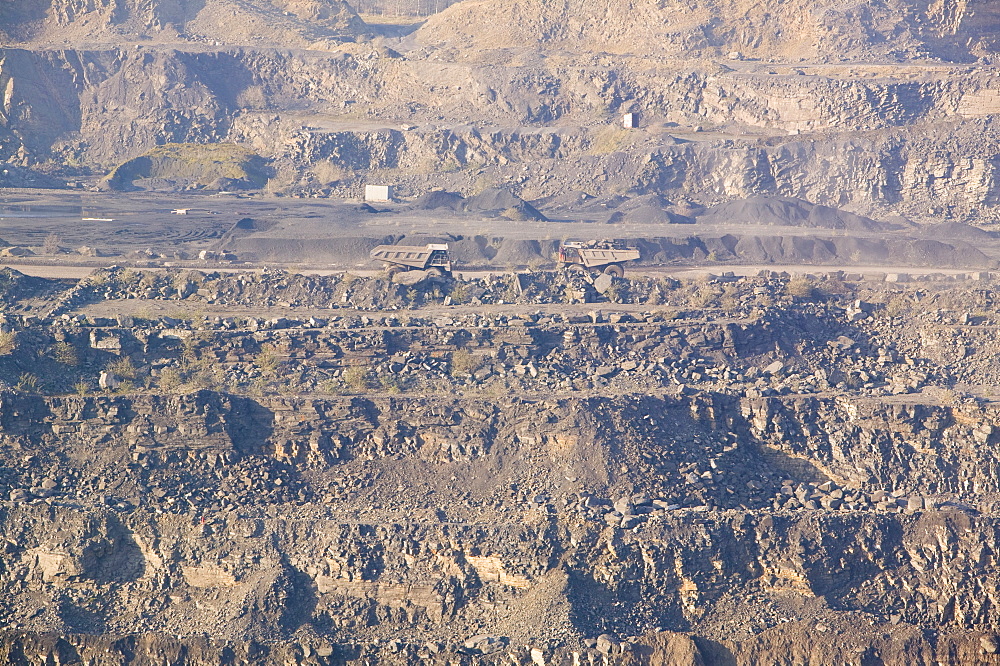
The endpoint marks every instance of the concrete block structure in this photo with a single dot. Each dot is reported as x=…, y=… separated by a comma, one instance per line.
x=378, y=193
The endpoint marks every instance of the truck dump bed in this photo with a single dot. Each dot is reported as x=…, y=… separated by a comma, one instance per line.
x=414, y=256
x=403, y=255
x=593, y=257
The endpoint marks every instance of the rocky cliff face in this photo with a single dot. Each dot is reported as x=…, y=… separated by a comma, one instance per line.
x=532, y=468
x=114, y=21
x=771, y=29
x=861, y=106
x=861, y=143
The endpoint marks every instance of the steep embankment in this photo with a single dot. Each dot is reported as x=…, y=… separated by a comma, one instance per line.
x=257, y=22
x=784, y=30
x=843, y=106
x=752, y=471
x=913, y=146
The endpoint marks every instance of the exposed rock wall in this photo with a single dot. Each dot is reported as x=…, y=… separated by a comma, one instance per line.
x=111, y=21
x=769, y=29
x=238, y=578
x=104, y=107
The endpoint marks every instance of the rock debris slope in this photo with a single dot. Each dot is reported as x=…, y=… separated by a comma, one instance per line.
x=755, y=29
x=510, y=469
x=254, y=467
x=117, y=21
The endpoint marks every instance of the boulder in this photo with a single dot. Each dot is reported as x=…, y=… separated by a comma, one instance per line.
x=603, y=282
x=774, y=368
x=108, y=381
x=606, y=644
x=484, y=644
x=624, y=506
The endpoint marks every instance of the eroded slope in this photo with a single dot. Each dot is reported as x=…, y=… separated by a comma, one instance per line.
x=734, y=471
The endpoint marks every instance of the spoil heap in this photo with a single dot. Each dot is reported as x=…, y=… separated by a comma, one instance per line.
x=731, y=470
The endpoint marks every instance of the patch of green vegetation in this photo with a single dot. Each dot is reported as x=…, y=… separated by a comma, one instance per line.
x=8, y=343
x=123, y=368
x=28, y=383
x=358, y=378
x=206, y=164
x=609, y=140
x=801, y=288
x=459, y=293
x=464, y=362
x=65, y=353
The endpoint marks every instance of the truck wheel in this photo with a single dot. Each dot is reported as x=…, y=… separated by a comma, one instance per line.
x=434, y=271
x=615, y=270
x=576, y=269
x=393, y=271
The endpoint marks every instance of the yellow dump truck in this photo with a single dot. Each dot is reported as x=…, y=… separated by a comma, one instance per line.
x=605, y=256
x=432, y=258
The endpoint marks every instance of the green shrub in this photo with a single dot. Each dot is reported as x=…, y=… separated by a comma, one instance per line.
x=8, y=343
x=65, y=353
x=268, y=360
x=358, y=378
x=801, y=288
x=459, y=294
x=123, y=368
x=464, y=362
x=28, y=383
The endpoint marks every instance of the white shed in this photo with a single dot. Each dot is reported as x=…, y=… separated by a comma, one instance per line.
x=378, y=193
x=630, y=120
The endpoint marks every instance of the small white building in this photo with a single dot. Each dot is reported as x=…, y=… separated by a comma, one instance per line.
x=630, y=120
x=378, y=193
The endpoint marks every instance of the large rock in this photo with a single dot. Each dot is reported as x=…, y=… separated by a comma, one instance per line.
x=603, y=282
x=607, y=644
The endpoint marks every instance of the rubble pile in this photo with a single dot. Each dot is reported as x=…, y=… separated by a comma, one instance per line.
x=698, y=469
x=414, y=289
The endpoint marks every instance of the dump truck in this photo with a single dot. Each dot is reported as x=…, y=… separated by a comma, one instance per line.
x=605, y=256
x=432, y=258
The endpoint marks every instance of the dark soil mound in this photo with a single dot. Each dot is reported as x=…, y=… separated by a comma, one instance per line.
x=440, y=199
x=654, y=215
x=250, y=224
x=648, y=209
x=518, y=253
x=340, y=251
x=16, y=286
x=245, y=227
x=419, y=240
x=501, y=202
x=787, y=212
x=957, y=231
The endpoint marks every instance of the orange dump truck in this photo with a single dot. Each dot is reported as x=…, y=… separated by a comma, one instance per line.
x=603, y=256
x=432, y=258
